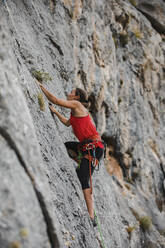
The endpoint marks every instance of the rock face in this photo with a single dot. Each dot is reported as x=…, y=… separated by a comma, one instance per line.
x=155, y=12
x=116, y=51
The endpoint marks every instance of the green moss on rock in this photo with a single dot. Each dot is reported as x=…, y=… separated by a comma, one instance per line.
x=123, y=37
x=41, y=76
x=41, y=101
x=15, y=244
x=145, y=223
x=133, y=2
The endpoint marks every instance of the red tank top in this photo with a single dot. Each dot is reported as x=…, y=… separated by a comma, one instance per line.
x=84, y=128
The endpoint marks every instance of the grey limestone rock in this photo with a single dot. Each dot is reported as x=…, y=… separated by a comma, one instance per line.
x=116, y=51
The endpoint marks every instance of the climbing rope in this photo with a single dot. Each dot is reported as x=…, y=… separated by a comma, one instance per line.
x=99, y=229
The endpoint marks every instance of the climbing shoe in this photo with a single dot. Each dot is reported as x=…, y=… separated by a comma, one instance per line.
x=94, y=221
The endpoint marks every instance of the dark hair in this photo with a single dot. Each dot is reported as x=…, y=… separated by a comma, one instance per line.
x=83, y=97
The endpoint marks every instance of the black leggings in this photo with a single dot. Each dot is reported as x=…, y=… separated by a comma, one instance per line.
x=83, y=171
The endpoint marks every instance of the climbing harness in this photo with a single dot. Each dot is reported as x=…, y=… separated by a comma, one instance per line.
x=89, y=146
x=99, y=229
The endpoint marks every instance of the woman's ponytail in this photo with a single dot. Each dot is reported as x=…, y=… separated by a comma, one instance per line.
x=86, y=103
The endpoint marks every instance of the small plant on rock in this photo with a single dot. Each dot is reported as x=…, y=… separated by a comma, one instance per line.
x=15, y=244
x=123, y=37
x=133, y=2
x=137, y=33
x=145, y=223
x=130, y=229
x=41, y=76
x=41, y=101
x=24, y=232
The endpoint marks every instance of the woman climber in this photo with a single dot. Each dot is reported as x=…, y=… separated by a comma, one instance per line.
x=89, y=150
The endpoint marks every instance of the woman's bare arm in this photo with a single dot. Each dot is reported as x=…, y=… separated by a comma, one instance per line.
x=64, y=120
x=64, y=103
